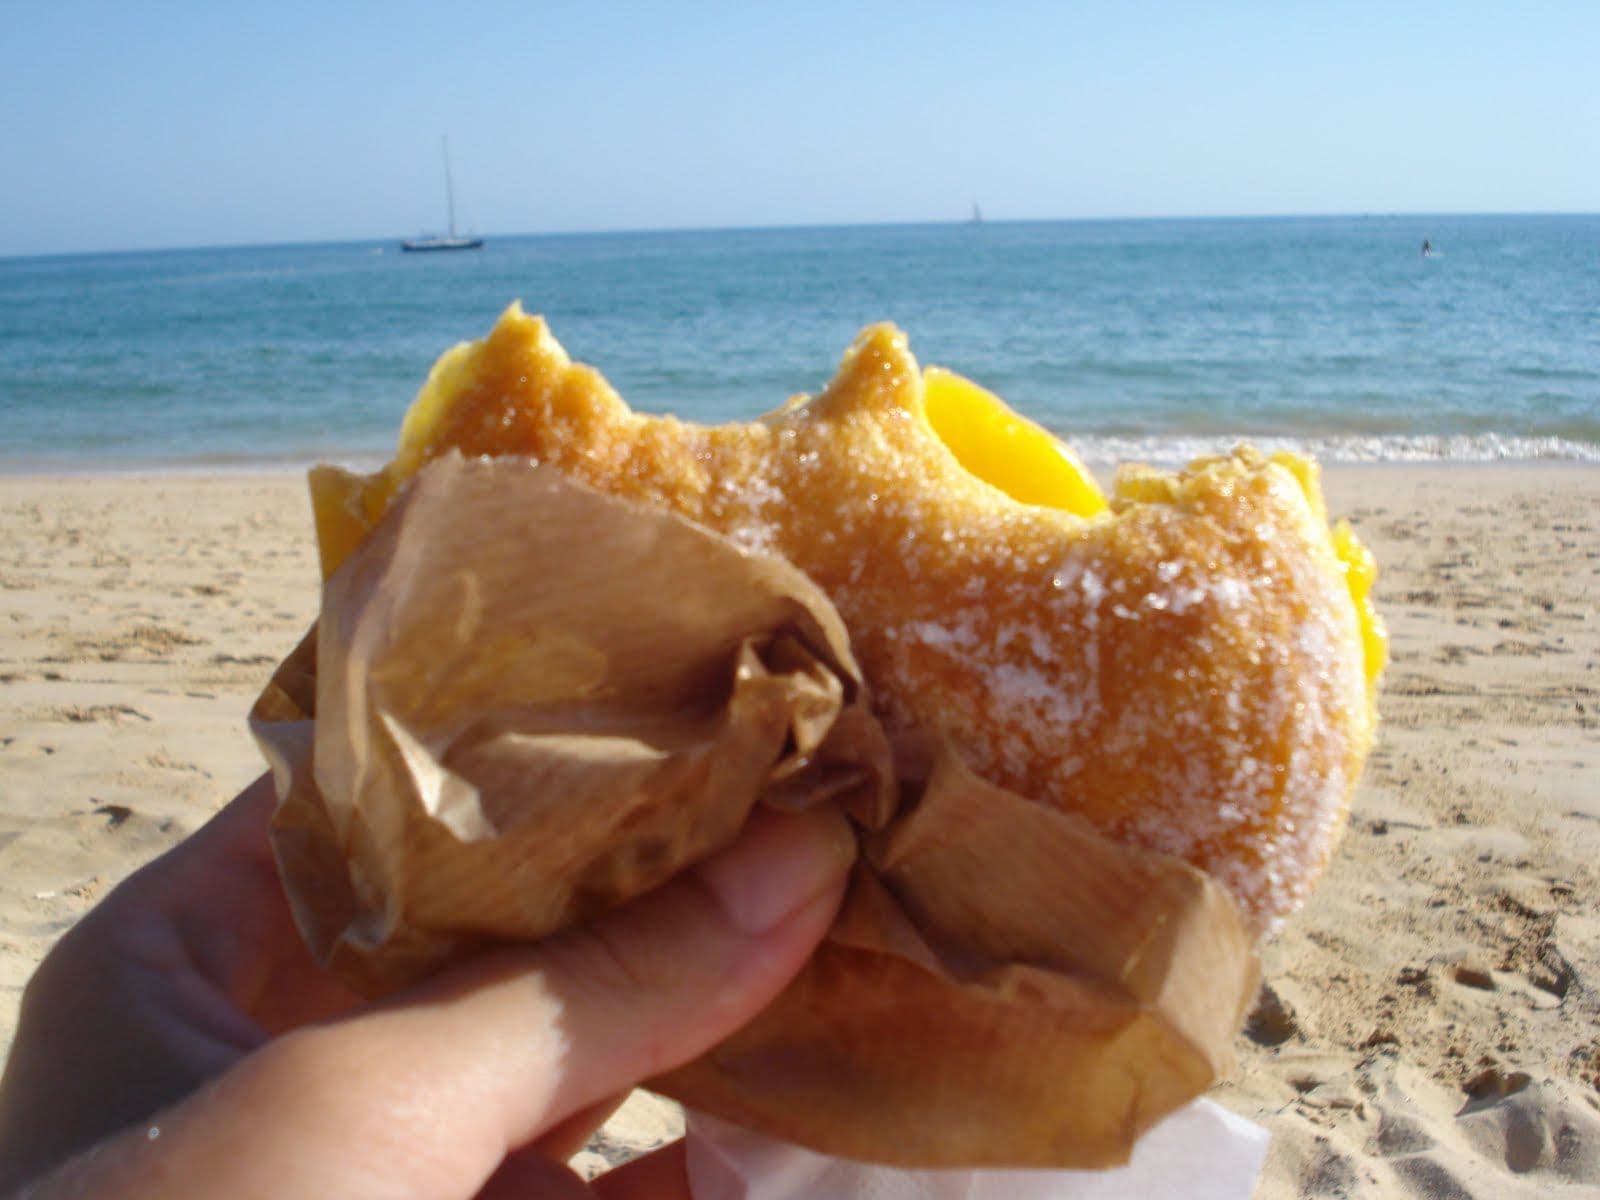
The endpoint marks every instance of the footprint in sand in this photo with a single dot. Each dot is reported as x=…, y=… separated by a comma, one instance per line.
x=1272, y=1021
x=1421, y=685
x=116, y=815
x=80, y=714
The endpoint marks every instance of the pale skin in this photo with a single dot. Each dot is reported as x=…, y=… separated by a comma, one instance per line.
x=179, y=1041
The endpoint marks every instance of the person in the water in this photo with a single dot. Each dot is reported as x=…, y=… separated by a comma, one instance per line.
x=1427, y=248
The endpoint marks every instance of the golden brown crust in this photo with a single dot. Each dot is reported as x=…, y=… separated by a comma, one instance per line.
x=1184, y=671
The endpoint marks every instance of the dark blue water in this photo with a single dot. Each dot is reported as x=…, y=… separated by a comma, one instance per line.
x=1134, y=338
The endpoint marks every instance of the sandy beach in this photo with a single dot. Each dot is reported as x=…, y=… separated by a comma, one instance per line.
x=1429, y=1024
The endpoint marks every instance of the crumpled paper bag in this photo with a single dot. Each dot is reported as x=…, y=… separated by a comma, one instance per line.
x=527, y=702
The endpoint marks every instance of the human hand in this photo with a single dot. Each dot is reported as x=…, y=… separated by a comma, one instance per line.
x=187, y=967
x=479, y=1083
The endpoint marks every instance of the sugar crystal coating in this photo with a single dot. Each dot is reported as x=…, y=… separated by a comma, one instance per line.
x=1190, y=670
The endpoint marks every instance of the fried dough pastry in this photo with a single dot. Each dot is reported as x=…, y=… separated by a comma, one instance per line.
x=1189, y=665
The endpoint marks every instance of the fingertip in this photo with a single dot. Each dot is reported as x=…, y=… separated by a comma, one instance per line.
x=780, y=863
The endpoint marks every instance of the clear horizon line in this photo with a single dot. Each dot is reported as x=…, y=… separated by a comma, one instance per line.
x=384, y=239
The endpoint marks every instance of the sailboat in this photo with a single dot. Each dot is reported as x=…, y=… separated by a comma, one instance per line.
x=451, y=240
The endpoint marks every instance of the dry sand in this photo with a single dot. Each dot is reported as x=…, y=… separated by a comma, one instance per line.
x=1430, y=1023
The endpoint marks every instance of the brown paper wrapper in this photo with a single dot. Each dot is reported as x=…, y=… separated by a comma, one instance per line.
x=527, y=703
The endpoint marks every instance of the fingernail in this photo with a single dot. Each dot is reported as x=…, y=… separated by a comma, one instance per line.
x=781, y=862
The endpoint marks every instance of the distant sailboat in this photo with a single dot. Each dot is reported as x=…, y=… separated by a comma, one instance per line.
x=977, y=215
x=449, y=241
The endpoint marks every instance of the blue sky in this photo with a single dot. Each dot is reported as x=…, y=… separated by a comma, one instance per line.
x=148, y=124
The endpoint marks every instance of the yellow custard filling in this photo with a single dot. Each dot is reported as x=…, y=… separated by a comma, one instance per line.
x=1004, y=448
x=1355, y=560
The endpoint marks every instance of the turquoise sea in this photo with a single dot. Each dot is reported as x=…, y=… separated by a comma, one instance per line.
x=1149, y=338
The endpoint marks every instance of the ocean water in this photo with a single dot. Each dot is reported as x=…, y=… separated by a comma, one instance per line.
x=1135, y=339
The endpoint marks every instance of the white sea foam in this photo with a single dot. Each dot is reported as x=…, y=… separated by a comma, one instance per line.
x=1173, y=450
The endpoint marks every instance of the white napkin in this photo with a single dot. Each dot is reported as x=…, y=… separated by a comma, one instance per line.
x=1201, y=1152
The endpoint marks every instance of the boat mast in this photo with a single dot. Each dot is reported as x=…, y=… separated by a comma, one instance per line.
x=449, y=187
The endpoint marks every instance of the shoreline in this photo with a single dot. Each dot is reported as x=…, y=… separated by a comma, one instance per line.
x=1102, y=468
x=271, y=468
x=1427, y=1019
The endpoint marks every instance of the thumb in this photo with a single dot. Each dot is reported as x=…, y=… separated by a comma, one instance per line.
x=425, y=1096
